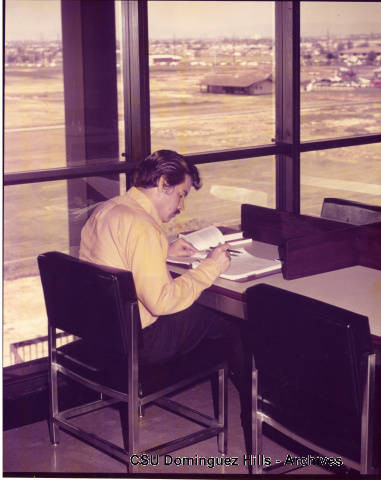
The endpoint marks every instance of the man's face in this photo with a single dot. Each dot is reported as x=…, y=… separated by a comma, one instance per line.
x=173, y=199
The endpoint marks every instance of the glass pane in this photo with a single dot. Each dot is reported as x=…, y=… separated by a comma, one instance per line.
x=36, y=220
x=340, y=69
x=211, y=74
x=119, y=69
x=352, y=173
x=226, y=185
x=34, y=115
x=34, y=134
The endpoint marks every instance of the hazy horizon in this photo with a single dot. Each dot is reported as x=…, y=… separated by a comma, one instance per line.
x=183, y=19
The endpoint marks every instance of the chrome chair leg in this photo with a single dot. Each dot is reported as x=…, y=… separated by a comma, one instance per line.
x=222, y=410
x=54, y=431
x=256, y=424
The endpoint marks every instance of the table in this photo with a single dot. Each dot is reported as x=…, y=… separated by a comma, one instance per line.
x=356, y=288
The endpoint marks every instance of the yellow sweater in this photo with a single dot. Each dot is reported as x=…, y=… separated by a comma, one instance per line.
x=126, y=232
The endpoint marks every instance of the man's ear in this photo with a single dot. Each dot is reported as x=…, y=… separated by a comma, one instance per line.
x=163, y=186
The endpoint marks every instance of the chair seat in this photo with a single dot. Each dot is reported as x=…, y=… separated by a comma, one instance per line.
x=86, y=360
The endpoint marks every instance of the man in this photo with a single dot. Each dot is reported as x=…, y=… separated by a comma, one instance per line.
x=127, y=232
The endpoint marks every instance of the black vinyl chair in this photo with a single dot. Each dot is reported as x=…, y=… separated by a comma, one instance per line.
x=313, y=379
x=98, y=305
x=348, y=211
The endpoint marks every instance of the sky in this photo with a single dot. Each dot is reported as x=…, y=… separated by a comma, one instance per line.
x=40, y=19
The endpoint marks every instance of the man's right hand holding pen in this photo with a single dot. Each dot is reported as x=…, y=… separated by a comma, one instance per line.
x=221, y=255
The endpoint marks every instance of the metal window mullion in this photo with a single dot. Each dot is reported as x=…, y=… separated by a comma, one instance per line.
x=66, y=173
x=287, y=80
x=136, y=79
x=90, y=95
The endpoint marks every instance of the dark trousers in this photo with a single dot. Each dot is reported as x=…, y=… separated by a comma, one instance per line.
x=180, y=333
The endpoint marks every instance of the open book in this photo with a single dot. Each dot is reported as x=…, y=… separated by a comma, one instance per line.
x=243, y=264
x=210, y=237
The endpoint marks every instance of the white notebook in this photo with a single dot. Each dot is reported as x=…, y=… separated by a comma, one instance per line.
x=247, y=265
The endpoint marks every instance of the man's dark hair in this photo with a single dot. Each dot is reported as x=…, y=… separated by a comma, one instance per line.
x=169, y=164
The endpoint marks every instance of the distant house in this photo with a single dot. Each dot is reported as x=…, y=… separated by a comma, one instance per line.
x=323, y=82
x=248, y=84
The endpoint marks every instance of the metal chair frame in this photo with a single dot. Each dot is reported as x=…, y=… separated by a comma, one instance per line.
x=312, y=338
x=364, y=466
x=133, y=401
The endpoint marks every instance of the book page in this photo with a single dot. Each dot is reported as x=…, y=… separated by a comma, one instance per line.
x=245, y=264
x=205, y=238
x=192, y=261
x=230, y=237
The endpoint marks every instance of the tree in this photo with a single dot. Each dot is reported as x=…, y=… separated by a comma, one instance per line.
x=371, y=57
x=330, y=56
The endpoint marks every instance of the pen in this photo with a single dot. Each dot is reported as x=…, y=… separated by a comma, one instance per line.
x=228, y=250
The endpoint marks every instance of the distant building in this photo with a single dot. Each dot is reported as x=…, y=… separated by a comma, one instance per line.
x=359, y=55
x=248, y=84
x=164, y=59
x=344, y=78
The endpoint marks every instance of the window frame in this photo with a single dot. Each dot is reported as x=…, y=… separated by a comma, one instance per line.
x=287, y=146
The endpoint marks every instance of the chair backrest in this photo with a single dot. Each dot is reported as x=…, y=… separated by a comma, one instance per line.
x=310, y=353
x=347, y=211
x=90, y=301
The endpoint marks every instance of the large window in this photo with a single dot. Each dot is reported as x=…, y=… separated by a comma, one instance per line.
x=340, y=69
x=218, y=202
x=353, y=173
x=42, y=216
x=211, y=70
x=340, y=97
x=35, y=216
x=34, y=123
x=218, y=81
x=37, y=219
x=211, y=67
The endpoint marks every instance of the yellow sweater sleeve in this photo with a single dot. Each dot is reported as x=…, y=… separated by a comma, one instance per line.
x=156, y=289
x=128, y=238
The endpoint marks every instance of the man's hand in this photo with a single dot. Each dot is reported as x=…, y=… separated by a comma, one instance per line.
x=221, y=256
x=181, y=248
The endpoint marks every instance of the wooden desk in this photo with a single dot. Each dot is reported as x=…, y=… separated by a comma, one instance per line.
x=354, y=288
